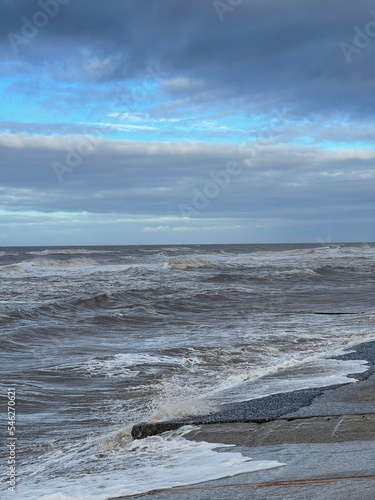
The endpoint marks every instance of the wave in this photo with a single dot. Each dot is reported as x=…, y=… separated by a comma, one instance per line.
x=25, y=266
x=83, y=262
x=189, y=263
x=270, y=274
x=340, y=250
x=65, y=251
x=97, y=300
x=130, y=365
x=291, y=273
x=176, y=249
x=310, y=372
x=11, y=269
x=61, y=308
x=328, y=270
x=136, y=316
x=183, y=462
x=227, y=278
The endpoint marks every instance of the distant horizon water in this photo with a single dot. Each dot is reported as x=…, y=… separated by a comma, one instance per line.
x=320, y=242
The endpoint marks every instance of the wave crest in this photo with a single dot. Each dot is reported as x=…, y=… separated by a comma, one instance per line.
x=62, y=251
x=83, y=262
x=11, y=269
x=189, y=263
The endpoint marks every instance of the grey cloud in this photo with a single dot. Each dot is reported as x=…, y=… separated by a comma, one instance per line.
x=139, y=178
x=287, y=50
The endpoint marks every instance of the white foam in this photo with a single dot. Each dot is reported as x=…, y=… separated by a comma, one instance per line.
x=42, y=265
x=189, y=263
x=11, y=269
x=82, y=262
x=67, y=251
x=119, y=364
x=199, y=391
x=179, y=398
x=304, y=375
x=278, y=261
x=163, y=461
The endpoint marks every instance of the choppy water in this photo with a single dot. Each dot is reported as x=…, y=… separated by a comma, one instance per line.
x=96, y=339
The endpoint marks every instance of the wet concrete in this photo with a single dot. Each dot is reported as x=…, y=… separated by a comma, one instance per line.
x=336, y=429
x=351, y=399
x=318, y=471
x=257, y=410
x=357, y=489
x=325, y=457
x=325, y=436
x=294, y=404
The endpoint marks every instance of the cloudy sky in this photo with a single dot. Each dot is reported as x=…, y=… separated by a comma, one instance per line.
x=186, y=121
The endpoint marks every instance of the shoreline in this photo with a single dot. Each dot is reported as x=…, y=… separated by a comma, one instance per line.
x=278, y=406
x=326, y=443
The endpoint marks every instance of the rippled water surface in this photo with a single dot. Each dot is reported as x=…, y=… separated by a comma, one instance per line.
x=95, y=339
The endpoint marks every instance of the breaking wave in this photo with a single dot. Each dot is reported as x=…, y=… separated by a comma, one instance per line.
x=189, y=263
x=83, y=262
x=11, y=269
x=65, y=251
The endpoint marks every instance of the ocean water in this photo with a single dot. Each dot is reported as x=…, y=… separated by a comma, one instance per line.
x=96, y=339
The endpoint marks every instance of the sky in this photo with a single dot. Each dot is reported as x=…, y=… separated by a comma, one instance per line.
x=186, y=121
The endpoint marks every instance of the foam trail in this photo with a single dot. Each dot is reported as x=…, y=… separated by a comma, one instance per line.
x=184, y=462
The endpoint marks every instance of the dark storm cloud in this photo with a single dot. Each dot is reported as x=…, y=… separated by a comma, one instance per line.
x=262, y=53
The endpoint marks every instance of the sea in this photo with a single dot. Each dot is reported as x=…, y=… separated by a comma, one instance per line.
x=96, y=339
